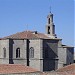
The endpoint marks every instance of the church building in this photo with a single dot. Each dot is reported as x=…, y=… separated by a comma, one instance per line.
x=44, y=52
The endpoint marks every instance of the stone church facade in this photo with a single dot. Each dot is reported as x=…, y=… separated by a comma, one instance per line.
x=44, y=52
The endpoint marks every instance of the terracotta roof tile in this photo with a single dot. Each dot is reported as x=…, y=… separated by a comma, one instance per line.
x=29, y=35
x=70, y=69
x=15, y=68
x=67, y=70
x=26, y=35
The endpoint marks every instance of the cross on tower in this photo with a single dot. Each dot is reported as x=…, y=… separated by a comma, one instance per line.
x=50, y=9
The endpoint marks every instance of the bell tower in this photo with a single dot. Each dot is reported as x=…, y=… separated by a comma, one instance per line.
x=50, y=27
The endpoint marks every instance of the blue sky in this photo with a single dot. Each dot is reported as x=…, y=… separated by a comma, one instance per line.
x=15, y=15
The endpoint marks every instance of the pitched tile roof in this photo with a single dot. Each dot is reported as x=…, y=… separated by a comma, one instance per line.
x=70, y=70
x=27, y=35
x=67, y=70
x=15, y=68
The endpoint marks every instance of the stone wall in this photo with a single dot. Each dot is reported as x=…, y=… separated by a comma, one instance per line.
x=4, y=44
x=61, y=55
x=50, y=51
x=70, y=55
x=36, y=61
x=65, y=55
x=22, y=45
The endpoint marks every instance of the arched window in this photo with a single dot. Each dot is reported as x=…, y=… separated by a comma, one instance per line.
x=18, y=53
x=48, y=29
x=4, y=49
x=31, y=52
x=49, y=21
